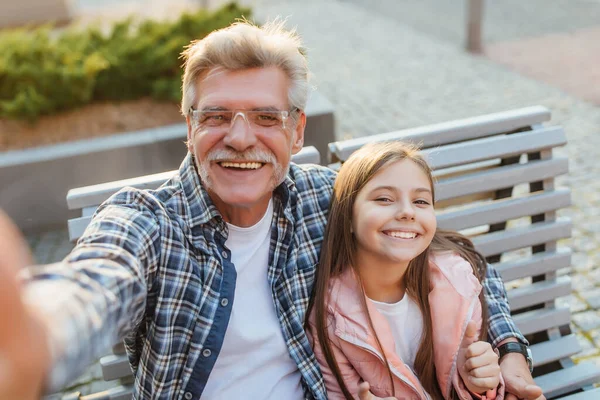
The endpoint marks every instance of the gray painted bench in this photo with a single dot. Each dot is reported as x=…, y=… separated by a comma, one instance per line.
x=495, y=182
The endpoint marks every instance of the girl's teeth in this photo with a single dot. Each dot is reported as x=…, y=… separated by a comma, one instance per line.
x=403, y=235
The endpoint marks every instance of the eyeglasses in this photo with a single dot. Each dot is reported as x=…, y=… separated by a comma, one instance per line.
x=224, y=119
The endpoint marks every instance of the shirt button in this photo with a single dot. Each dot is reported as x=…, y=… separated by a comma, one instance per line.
x=188, y=396
x=206, y=353
x=224, y=302
x=224, y=254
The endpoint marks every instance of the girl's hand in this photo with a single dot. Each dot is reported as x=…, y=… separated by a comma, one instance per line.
x=478, y=363
x=365, y=394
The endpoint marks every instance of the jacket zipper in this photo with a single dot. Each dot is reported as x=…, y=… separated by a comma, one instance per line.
x=376, y=354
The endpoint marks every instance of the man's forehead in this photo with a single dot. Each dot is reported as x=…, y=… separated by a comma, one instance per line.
x=250, y=88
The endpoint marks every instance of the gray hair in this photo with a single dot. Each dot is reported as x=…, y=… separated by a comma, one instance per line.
x=244, y=45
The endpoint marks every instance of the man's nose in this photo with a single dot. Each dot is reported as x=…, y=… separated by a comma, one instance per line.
x=240, y=135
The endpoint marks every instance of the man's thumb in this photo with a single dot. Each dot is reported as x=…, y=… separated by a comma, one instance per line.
x=532, y=391
x=524, y=390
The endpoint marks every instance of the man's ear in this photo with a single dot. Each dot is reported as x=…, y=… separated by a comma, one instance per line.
x=299, y=133
x=190, y=134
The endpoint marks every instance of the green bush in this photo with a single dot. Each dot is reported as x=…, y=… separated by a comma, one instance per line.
x=44, y=73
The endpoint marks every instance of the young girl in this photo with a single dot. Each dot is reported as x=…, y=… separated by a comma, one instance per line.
x=397, y=303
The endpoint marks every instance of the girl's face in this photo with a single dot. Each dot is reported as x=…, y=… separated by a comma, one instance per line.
x=393, y=219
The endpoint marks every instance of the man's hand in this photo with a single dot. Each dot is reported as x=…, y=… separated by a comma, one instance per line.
x=24, y=356
x=477, y=363
x=365, y=394
x=518, y=380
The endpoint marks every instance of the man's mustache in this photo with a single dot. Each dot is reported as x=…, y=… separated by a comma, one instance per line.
x=258, y=155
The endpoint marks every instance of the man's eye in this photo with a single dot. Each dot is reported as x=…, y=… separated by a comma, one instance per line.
x=267, y=120
x=266, y=117
x=214, y=118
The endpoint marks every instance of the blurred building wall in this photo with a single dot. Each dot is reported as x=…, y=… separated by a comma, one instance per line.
x=21, y=12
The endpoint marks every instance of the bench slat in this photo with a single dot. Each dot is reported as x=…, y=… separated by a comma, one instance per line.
x=500, y=178
x=593, y=394
x=536, y=264
x=121, y=392
x=540, y=320
x=539, y=292
x=77, y=227
x=521, y=237
x=119, y=349
x=553, y=350
x=449, y=132
x=94, y=195
x=115, y=367
x=495, y=147
x=88, y=211
x=568, y=379
x=307, y=155
x=504, y=210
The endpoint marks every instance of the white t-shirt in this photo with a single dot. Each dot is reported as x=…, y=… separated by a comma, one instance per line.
x=254, y=362
x=406, y=322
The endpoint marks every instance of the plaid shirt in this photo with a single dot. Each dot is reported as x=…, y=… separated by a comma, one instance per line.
x=152, y=268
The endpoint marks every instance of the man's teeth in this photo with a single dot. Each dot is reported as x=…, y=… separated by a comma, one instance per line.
x=403, y=235
x=246, y=165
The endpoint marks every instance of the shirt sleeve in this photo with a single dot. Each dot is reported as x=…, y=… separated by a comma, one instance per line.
x=97, y=294
x=501, y=325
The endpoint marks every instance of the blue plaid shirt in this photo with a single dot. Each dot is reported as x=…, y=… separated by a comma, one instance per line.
x=152, y=269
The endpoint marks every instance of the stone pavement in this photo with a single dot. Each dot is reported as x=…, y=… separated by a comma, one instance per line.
x=400, y=64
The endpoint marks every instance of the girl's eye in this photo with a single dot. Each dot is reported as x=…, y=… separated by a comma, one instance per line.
x=383, y=199
x=422, y=202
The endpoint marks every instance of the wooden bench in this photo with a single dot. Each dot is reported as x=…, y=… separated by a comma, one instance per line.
x=495, y=182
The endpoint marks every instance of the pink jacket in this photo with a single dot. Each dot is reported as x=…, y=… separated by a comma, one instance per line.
x=453, y=298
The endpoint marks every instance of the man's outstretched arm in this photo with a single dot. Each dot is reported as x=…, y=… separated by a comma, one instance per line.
x=81, y=306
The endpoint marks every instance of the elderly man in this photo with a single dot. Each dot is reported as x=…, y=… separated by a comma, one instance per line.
x=207, y=278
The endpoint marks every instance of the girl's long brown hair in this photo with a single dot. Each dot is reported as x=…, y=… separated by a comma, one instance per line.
x=338, y=251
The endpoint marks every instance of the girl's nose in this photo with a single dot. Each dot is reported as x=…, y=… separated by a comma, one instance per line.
x=405, y=211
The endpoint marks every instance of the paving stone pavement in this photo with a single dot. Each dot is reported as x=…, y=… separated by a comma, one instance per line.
x=384, y=73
